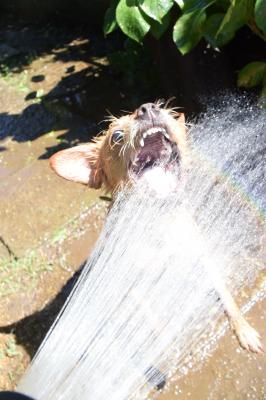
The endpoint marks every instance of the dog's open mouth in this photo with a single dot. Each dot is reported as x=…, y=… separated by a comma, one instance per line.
x=156, y=160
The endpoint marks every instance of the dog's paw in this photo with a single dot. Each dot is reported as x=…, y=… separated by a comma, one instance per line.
x=248, y=337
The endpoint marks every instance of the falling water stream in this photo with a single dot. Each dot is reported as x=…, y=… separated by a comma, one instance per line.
x=145, y=304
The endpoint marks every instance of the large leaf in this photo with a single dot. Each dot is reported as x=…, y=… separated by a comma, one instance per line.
x=188, y=30
x=252, y=74
x=158, y=28
x=239, y=12
x=180, y=3
x=156, y=9
x=211, y=28
x=131, y=20
x=260, y=14
x=193, y=5
x=110, y=24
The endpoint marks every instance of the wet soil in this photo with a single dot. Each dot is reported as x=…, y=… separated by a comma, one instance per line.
x=48, y=225
x=229, y=373
x=56, y=85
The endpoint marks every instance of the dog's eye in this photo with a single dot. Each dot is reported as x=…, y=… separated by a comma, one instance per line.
x=117, y=136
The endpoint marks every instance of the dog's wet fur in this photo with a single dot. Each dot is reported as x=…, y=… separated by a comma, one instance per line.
x=132, y=147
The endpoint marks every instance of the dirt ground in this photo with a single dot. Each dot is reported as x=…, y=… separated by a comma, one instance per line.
x=48, y=225
x=55, y=87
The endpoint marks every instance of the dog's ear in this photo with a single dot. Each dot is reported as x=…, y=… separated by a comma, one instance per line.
x=79, y=164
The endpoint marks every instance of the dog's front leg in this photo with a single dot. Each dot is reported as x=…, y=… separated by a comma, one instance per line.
x=248, y=337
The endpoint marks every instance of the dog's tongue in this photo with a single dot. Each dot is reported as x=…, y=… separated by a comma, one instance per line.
x=160, y=180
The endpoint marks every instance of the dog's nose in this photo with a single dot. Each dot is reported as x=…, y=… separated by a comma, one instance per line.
x=147, y=111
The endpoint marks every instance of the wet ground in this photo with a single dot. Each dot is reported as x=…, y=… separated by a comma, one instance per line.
x=229, y=372
x=56, y=85
x=48, y=225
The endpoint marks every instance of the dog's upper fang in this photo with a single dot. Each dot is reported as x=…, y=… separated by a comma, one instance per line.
x=153, y=131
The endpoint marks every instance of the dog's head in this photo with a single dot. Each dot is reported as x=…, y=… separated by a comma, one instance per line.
x=148, y=144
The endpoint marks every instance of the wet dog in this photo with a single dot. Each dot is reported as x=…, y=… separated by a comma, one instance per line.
x=151, y=144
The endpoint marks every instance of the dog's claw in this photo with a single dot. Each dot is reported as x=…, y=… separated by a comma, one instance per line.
x=248, y=337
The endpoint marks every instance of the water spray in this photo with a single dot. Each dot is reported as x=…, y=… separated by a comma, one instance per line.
x=145, y=307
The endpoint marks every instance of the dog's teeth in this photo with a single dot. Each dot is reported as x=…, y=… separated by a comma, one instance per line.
x=154, y=130
x=166, y=135
x=141, y=142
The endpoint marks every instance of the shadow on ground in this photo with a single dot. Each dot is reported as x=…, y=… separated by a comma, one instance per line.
x=59, y=79
x=31, y=330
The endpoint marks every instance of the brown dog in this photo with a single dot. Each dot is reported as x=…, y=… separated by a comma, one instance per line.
x=133, y=147
x=132, y=144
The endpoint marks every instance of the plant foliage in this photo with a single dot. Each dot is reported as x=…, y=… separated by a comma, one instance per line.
x=215, y=21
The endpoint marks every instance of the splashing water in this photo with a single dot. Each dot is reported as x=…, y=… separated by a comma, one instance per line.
x=145, y=303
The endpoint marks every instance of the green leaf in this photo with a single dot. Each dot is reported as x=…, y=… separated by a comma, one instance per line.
x=237, y=15
x=110, y=24
x=39, y=93
x=180, y=3
x=194, y=5
x=188, y=30
x=211, y=28
x=11, y=348
x=260, y=14
x=158, y=28
x=59, y=235
x=156, y=9
x=131, y=20
x=251, y=75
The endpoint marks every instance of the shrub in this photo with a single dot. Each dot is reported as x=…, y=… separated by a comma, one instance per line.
x=215, y=21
